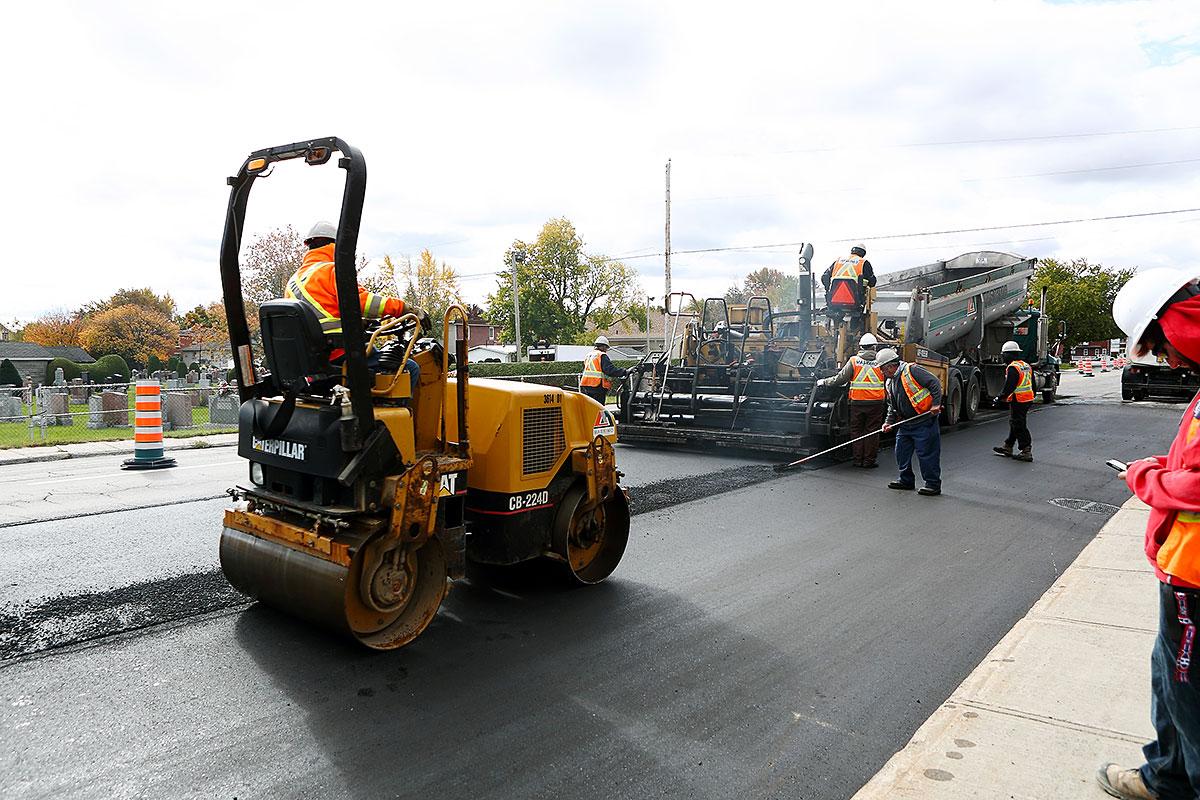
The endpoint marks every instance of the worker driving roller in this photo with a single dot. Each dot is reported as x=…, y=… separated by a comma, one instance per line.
x=314, y=285
x=844, y=282
x=598, y=372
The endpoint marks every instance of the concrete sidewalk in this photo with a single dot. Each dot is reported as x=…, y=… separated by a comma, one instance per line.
x=1066, y=690
x=58, y=452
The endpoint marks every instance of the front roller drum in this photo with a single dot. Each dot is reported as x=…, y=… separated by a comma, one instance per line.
x=383, y=599
x=591, y=538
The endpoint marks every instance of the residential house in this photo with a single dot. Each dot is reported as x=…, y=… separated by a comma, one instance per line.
x=32, y=359
x=628, y=337
x=479, y=332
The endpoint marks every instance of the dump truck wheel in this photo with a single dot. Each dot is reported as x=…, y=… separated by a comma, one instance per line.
x=591, y=540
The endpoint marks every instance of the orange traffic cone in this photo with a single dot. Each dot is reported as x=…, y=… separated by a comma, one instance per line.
x=1085, y=368
x=147, y=429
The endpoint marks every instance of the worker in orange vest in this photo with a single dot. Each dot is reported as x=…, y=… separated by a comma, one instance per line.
x=315, y=285
x=1159, y=310
x=844, y=281
x=1018, y=393
x=867, y=398
x=914, y=392
x=598, y=372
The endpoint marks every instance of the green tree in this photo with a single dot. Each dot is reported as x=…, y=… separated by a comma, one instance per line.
x=9, y=375
x=425, y=284
x=1080, y=294
x=563, y=290
x=110, y=367
x=153, y=363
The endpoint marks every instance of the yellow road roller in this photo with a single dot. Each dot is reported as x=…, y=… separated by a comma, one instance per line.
x=371, y=484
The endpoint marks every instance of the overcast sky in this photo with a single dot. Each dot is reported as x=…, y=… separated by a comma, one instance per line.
x=822, y=122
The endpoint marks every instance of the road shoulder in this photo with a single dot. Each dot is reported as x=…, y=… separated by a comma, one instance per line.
x=1067, y=689
x=60, y=452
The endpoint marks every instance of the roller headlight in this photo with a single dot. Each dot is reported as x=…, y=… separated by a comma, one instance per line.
x=256, y=473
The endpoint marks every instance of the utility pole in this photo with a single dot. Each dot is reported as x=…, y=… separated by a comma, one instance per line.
x=648, y=324
x=518, y=260
x=667, y=249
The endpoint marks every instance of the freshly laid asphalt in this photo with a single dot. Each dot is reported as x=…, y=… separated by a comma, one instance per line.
x=782, y=639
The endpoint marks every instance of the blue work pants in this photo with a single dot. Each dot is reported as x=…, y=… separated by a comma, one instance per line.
x=1172, y=768
x=926, y=438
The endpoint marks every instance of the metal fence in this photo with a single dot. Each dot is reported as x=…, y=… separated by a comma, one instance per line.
x=97, y=412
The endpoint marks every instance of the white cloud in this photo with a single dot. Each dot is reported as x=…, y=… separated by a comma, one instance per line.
x=480, y=121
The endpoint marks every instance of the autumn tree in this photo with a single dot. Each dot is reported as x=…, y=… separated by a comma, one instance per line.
x=133, y=332
x=145, y=298
x=426, y=284
x=57, y=328
x=1081, y=295
x=564, y=291
x=269, y=261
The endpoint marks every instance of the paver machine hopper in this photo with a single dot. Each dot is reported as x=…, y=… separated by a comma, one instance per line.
x=366, y=492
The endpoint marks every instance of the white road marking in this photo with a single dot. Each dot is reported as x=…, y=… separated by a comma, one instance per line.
x=98, y=476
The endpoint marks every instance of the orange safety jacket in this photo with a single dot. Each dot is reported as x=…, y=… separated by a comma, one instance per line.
x=1170, y=485
x=314, y=284
x=844, y=281
x=867, y=382
x=918, y=396
x=1024, y=391
x=593, y=373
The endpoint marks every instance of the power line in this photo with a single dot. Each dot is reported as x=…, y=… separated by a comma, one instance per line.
x=996, y=140
x=925, y=233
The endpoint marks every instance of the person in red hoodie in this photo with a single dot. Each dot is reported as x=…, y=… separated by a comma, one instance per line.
x=1160, y=311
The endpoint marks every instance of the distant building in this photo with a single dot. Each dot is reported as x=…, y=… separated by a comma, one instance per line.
x=479, y=332
x=1100, y=347
x=626, y=335
x=192, y=350
x=6, y=333
x=484, y=353
x=32, y=359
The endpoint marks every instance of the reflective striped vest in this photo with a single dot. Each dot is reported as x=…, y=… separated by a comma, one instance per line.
x=592, y=374
x=843, y=281
x=315, y=285
x=918, y=395
x=867, y=381
x=1024, y=391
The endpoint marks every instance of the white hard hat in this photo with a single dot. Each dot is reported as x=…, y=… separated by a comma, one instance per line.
x=321, y=230
x=1143, y=296
x=1010, y=347
x=601, y=341
x=886, y=356
x=868, y=340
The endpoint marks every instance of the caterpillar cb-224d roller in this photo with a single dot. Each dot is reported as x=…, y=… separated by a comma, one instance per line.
x=366, y=496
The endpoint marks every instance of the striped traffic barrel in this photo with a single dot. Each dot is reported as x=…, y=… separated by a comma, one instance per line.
x=147, y=429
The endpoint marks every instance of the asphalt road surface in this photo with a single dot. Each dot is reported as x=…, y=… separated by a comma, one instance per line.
x=765, y=636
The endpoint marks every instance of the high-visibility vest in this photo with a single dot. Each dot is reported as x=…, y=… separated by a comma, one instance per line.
x=918, y=396
x=592, y=374
x=843, y=281
x=867, y=381
x=1024, y=391
x=318, y=274
x=1179, y=554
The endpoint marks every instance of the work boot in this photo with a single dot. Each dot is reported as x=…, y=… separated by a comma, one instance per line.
x=1127, y=784
x=907, y=487
x=1003, y=450
x=929, y=491
x=1026, y=454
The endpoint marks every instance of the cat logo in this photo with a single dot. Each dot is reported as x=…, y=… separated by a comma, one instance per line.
x=450, y=485
x=605, y=424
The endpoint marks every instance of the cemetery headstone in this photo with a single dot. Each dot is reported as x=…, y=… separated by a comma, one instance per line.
x=223, y=409
x=177, y=410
